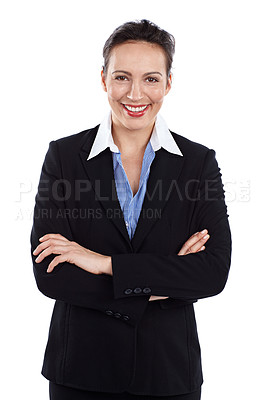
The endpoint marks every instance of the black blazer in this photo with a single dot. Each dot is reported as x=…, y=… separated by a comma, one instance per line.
x=105, y=335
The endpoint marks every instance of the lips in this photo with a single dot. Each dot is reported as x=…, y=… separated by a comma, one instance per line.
x=136, y=110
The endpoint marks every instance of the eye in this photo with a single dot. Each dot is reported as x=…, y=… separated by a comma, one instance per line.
x=152, y=80
x=121, y=78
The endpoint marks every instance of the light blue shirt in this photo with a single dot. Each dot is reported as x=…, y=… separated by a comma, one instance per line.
x=131, y=205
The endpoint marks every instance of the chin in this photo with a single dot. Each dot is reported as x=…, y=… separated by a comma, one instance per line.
x=137, y=124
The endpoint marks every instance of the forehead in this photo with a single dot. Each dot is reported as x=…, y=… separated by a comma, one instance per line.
x=140, y=56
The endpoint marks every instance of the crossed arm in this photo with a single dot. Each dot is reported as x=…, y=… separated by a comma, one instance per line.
x=96, y=263
x=66, y=271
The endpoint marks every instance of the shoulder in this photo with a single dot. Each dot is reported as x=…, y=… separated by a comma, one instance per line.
x=77, y=140
x=196, y=156
x=68, y=148
x=188, y=147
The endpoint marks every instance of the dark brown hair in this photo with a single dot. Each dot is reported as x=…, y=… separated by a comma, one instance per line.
x=145, y=31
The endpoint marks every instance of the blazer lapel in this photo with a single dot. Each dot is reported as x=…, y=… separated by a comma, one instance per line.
x=101, y=175
x=164, y=173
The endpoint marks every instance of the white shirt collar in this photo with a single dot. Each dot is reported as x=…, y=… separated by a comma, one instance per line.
x=161, y=137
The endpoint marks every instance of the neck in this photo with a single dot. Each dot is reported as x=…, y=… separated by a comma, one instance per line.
x=131, y=142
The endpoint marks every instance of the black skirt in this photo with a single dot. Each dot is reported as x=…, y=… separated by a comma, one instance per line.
x=60, y=392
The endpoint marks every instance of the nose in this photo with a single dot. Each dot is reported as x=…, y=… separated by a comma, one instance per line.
x=135, y=92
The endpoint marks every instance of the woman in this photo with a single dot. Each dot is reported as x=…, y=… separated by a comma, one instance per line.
x=130, y=229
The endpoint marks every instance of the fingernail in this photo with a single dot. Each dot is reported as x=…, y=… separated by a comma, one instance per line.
x=204, y=231
x=206, y=236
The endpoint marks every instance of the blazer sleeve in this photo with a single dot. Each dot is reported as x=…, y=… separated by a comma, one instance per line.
x=68, y=282
x=192, y=276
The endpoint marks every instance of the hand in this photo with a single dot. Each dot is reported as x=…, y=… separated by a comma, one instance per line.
x=152, y=298
x=193, y=245
x=72, y=252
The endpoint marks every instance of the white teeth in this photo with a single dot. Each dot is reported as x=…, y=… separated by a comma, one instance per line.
x=135, y=109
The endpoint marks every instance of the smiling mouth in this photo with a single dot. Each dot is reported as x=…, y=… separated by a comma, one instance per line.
x=136, y=109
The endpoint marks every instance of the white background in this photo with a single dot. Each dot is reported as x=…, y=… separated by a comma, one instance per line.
x=50, y=88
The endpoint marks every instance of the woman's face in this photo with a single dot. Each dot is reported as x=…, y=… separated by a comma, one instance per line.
x=136, y=83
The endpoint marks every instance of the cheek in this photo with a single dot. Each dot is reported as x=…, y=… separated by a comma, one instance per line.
x=115, y=92
x=157, y=95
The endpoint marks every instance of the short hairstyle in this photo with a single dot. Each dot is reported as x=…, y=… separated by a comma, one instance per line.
x=142, y=31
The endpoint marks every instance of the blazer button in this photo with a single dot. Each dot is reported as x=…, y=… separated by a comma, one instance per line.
x=117, y=315
x=147, y=290
x=125, y=317
x=128, y=291
x=137, y=290
x=109, y=312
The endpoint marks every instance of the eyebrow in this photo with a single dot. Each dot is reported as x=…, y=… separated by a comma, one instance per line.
x=128, y=73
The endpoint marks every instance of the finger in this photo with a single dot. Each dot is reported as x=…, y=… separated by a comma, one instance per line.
x=57, y=260
x=189, y=245
x=153, y=298
x=191, y=242
x=52, y=236
x=194, y=239
x=51, y=250
x=199, y=244
x=49, y=242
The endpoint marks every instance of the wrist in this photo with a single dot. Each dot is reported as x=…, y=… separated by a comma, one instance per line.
x=107, y=265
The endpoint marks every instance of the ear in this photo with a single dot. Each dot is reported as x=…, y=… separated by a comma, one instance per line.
x=103, y=81
x=169, y=84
